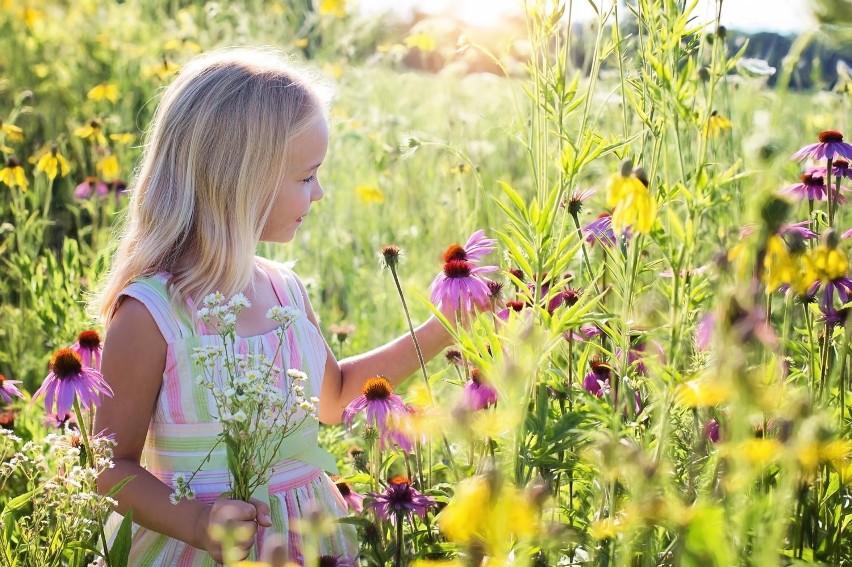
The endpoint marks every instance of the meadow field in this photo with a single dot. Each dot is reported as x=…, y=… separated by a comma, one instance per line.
x=663, y=375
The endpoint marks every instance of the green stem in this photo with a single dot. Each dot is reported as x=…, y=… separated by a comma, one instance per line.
x=92, y=463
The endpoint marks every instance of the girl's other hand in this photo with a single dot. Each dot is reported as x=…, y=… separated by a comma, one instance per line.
x=237, y=521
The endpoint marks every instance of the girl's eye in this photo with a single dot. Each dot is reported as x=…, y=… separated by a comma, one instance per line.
x=310, y=179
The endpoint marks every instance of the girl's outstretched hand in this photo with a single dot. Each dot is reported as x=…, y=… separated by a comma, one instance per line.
x=234, y=523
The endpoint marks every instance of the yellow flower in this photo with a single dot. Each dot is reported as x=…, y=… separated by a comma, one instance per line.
x=824, y=264
x=301, y=42
x=108, y=166
x=336, y=8
x=702, y=393
x=13, y=175
x=93, y=132
x=370, y=194
x=30, y=16
x=107, y=91
x=52, y=163
x=779, y=267
x=715, y=124
x=178, y=44
x=163, y=70
x=14, y=133
x=422, y=41
x=122, y=137
x=634, y=207
x=760, y=452
x=495, y=520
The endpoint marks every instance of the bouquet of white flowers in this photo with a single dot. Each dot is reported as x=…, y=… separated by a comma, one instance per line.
x=256, y=413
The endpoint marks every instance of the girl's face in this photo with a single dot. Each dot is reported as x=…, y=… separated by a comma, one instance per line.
x=300, y=187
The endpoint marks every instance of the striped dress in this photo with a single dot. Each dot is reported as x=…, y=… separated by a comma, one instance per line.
x=183, y=429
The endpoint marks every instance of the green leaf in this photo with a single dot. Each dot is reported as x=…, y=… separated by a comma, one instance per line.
x=120, y=550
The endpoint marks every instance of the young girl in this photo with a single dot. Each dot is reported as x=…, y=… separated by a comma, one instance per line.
x=231, y=160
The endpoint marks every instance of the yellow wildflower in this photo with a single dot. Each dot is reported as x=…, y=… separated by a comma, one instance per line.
x=370, y=194
x=760, y=452
x=107, y=91
x=30, y=16
x=108, y=166
x=633, y=205
x=702, y=393
x=52, y=163
x=13, y=174
x=715, y=124
x=93, y=132
x=824, y=263
x=301, y=42
x=336, y=8
x=422, y=41
x=779, y=267
x=122, y=137
x=14, y=133
x=475, y=513
x=179, y=44
x=163, y=70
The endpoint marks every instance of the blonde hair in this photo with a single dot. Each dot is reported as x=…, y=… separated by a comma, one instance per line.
x=215, y=153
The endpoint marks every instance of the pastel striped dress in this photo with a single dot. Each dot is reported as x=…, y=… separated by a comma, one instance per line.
x=183, y=429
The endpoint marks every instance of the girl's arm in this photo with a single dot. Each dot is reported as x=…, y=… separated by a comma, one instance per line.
x=133, y=363
x=396, y=361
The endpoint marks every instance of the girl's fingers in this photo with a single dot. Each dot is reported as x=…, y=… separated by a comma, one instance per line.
x=263, y=512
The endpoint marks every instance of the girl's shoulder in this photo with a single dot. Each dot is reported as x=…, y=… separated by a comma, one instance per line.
x=152, y=291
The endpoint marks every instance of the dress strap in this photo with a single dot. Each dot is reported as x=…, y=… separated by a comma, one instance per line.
x=283, y=284
x=153, y=293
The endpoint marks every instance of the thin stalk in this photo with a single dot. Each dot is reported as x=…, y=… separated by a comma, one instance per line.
x=90, y=457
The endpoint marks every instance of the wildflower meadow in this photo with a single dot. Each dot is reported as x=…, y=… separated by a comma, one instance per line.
x=638, y=236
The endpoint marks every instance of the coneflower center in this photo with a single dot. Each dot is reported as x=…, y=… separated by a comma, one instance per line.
x=476, y=376
x=830, y=136
x=89, y=339
x=12, y=163
x=809, y=179
x=344, y=489
x=457, y=269
x=377, y=389
x=455, y=252
x=66, y=362
x=515, y=305
x=401, y=479
x=600, y=368
x=2, y=379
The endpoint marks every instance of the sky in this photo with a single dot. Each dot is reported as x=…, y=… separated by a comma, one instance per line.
x=783, y=16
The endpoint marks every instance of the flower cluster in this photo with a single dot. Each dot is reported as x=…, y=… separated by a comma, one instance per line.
x=257, y=410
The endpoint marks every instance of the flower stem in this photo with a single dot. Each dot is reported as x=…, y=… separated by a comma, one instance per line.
x=411, y=330
x=90, y=458
x=400, y=539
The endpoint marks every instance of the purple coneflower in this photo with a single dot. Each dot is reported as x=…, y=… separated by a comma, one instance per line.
x=567, y=297
x=711, y=431
x=511, y=306
x=839, y=169
x=461, y=286
x=400, y=498
x=69, y=378
x=600, y=231
x=8, y=389
x=379, y=401
x=91, y=185
x=830, y=145
x=353, y=499
x=811, y=187
x=575, y=201
x=800, y=229
x=57, y=421
x=478, y=393
x=478, y=246
x=597, y=381
x=88, y=346
x=704, y=331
